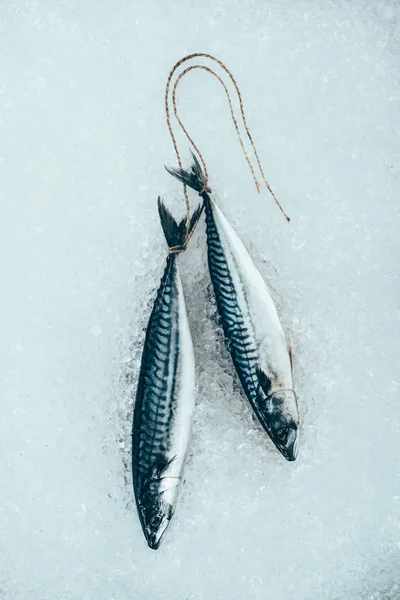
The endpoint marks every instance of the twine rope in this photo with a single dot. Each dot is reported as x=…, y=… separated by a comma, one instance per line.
x=168, y=116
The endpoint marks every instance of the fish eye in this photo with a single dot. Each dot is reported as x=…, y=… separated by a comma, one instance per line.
x=155, y=521
x=282, y=434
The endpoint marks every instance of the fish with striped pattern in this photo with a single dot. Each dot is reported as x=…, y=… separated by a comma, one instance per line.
x=163, y=412
x=251, y=325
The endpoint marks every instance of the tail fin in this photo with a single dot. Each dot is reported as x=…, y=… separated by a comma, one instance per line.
x=175, y=233
x=194, y=177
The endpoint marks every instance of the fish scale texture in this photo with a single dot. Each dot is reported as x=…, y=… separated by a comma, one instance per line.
x=83, y=142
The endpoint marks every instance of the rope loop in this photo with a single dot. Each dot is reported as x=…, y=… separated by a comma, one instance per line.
x=206, y=187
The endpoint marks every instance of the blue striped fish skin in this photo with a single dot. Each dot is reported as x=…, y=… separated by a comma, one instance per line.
x=255, y=337
x=164, y=405
x=251, y=325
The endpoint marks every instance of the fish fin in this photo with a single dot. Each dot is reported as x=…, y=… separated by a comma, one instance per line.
x=163, y=466
x=157, y=470
x=175, y=233
x=193, y=177
x=194, y=219
x=264, y=381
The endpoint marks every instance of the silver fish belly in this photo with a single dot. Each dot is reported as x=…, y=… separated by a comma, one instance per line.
x=164, y=407
x=253, y=330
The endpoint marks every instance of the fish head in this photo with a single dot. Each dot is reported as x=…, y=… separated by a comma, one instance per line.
x=278, y=414
x=155, y=514
x=283, y=422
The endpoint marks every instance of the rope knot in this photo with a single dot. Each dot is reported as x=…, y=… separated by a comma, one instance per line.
x=205, y=188
x=177, y=249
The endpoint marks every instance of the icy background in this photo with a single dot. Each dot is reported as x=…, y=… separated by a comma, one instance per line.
x=83, y=142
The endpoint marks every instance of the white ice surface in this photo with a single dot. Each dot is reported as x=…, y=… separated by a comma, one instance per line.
x=83, y=142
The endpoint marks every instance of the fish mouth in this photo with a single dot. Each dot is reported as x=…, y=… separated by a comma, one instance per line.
x=153, y=542
x=289, y=449
x=154, y=537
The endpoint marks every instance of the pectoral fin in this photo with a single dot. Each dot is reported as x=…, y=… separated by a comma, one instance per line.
x=264, y=381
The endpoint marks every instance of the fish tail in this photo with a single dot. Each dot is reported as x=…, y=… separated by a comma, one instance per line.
x=177, y=234
x=193, y=177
